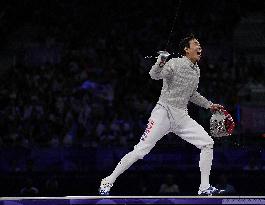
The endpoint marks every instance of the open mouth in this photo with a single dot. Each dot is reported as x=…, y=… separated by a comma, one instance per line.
x=199, y=53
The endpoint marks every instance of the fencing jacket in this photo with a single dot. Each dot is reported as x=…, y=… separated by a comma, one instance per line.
x=180, y=82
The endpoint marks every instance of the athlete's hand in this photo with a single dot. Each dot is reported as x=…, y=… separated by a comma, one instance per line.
x=216, y=107
x=162, y=58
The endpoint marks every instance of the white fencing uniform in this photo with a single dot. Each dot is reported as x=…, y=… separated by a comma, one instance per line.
x=180, y=81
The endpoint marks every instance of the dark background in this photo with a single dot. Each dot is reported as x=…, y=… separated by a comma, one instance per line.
x=76, y=94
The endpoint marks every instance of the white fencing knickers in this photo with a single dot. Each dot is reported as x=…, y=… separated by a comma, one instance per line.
x=165, y=119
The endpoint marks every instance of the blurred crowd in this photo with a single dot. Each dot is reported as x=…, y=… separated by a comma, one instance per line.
x=86, y=83
x=79, y=78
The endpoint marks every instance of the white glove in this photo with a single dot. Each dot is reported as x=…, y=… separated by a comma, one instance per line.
x=161, y=59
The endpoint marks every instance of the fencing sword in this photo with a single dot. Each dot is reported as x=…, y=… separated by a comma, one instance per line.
x=165, y=53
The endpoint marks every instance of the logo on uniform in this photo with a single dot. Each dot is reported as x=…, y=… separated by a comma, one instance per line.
x=148, y=129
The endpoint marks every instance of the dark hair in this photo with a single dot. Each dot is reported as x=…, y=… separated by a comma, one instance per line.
x=185, y=42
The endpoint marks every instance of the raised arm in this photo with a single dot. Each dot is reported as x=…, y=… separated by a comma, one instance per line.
x=161, y=69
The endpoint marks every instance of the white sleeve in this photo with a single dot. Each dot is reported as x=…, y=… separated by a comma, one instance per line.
x=165, y=71
x=198, y=99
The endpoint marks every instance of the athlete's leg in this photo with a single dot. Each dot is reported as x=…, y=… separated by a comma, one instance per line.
x=189, y=130
x=158, y=126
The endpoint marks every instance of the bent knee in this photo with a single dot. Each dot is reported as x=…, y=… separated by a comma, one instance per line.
x=208, y=146
x=208, y=143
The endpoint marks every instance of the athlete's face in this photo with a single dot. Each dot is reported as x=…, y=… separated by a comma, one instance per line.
x=194, y=52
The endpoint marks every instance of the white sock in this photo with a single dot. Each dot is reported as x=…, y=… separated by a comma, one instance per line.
x=122, y=166
x=206, y=157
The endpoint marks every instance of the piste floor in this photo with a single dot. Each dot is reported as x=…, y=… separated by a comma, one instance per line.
x=82, y=200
